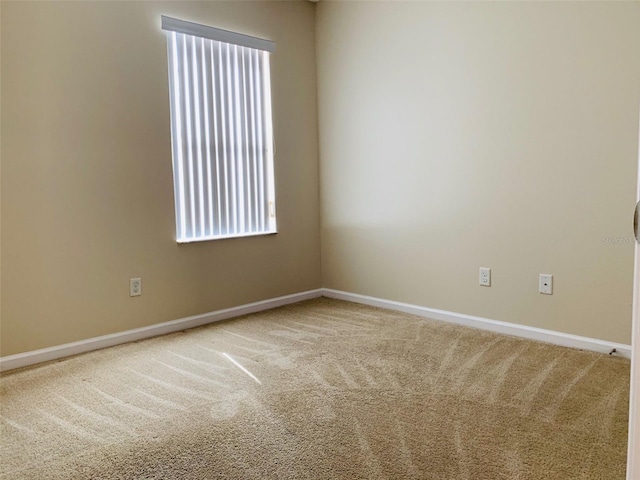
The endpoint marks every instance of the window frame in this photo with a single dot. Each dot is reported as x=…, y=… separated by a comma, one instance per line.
x=230, y=135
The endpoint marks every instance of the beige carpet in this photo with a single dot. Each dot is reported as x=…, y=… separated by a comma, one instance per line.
x=320, y=390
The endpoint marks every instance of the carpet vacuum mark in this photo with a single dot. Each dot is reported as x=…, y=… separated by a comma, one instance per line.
x=319, y=390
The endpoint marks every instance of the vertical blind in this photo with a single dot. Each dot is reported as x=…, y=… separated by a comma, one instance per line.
x=221, y=131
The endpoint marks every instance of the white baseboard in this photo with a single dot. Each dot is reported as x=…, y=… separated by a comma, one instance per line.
x=532, y=333
x=549, y=336
x=52, y=353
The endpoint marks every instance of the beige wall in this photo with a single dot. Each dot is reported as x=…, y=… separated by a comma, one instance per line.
x=453, y=136
x=497, y=134
x=87, y=192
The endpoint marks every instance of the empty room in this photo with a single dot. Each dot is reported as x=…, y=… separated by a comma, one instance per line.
x=319, y=240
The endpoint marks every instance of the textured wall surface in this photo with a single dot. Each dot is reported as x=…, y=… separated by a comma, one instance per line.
x=452, y=136
x=87, y=191
x=455, y=136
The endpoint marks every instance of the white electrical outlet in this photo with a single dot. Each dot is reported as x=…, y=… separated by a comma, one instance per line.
x=546, y=284
x=135, y=287
x=485, y=277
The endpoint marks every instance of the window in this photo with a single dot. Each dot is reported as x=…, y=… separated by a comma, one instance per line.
x=221, y=132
